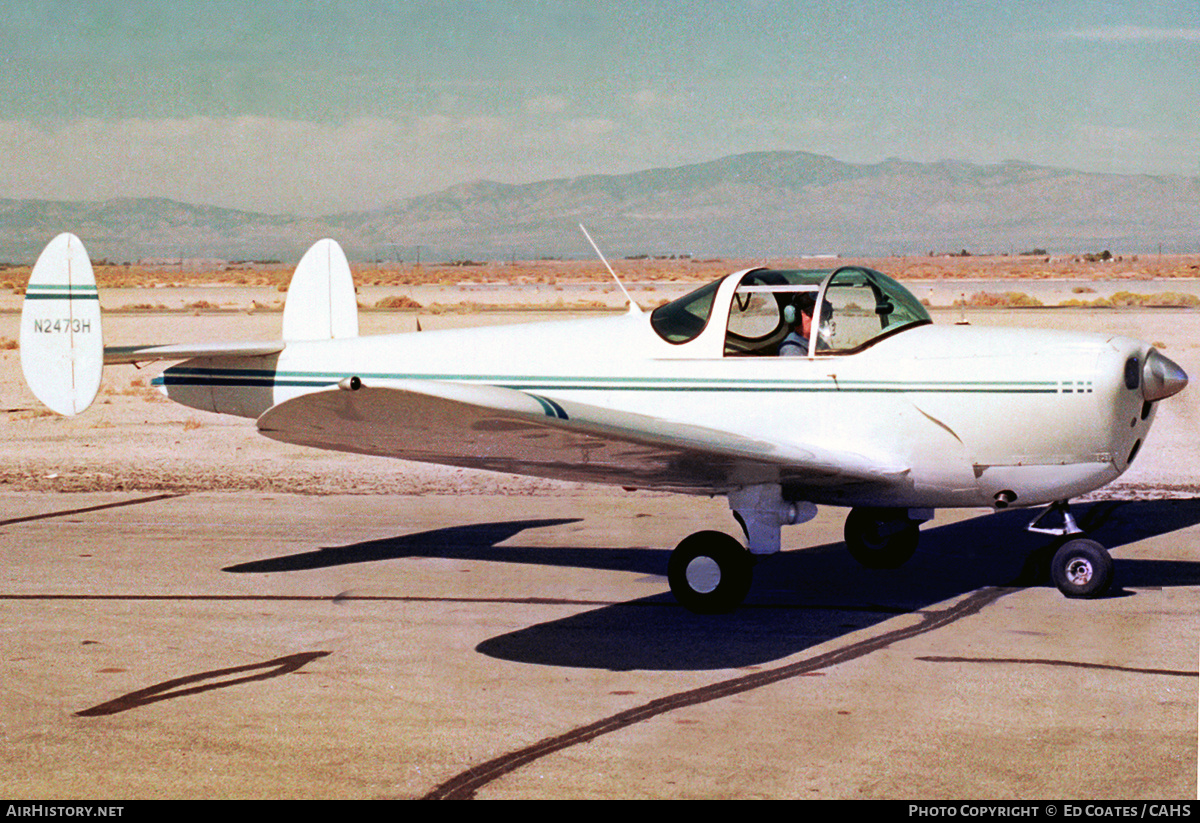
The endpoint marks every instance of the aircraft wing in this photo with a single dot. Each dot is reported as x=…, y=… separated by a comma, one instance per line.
x=501, y=429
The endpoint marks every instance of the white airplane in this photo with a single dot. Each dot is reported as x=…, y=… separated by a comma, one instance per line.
x=882, y=412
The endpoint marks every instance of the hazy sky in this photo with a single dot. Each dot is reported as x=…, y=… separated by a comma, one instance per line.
x=323, y=106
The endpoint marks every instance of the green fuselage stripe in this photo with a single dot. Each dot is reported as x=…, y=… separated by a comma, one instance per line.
x=190, y=376
x=79, y=293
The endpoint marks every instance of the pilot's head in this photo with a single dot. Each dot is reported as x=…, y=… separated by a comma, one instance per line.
x=798, y=314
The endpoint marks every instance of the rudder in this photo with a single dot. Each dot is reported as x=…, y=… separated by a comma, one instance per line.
x=320, y=303
x=62, y=347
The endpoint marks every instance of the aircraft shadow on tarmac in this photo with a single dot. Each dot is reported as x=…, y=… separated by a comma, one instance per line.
x=799, y=599
x=474, y=542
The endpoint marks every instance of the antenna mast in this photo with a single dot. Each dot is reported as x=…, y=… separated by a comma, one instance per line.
x=632, y=305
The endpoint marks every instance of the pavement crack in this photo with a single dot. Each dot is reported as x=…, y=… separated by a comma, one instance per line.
x=1071, y=664
x=65, y=512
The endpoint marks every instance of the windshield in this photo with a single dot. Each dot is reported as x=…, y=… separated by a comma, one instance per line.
x=684, y=318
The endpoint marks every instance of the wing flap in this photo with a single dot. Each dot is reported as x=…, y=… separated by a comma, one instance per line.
x=500, y=429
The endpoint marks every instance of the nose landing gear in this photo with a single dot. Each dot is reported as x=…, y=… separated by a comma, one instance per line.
x=1081, y=567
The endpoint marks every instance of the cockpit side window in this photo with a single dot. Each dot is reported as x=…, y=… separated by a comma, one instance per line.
x=683, y=319
x=817, y=312
x=860, y=307
x=765, y=307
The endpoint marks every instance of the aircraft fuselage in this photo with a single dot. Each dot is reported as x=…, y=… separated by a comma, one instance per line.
x=981, y=416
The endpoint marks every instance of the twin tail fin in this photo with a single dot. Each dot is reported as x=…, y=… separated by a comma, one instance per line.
x=62, y=347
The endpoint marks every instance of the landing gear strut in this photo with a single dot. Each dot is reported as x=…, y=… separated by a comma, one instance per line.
x=710, y=572
x=1081, y=567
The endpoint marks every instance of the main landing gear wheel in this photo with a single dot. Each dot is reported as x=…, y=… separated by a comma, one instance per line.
x=881, y=539
x=710, y=573
x=1082, y=568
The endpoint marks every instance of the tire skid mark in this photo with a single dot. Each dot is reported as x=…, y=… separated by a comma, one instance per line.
x=464, y=785
x=65, y=512
x=1071, y=664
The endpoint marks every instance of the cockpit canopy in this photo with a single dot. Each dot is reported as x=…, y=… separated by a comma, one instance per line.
x=850, y=308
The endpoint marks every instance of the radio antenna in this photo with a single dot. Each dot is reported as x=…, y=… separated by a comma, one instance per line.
x=633, y=307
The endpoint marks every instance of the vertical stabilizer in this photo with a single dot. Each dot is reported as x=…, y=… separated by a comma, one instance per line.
x=321, y=304
x=62, y=349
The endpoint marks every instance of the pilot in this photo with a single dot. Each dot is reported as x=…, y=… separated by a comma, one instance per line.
x=798, y=314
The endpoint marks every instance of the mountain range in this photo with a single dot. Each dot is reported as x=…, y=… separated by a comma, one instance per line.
x=764, y=204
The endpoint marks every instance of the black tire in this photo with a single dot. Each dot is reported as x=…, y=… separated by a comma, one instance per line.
x=881, y=538
x=710, y=573
x=1082, y=568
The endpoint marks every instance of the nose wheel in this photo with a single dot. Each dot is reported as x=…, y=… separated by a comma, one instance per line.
x=710, y=572
x=1082, y=568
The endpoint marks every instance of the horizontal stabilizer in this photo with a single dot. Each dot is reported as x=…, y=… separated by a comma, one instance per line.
x=62, y=348
x=321, y=303
x=186, y=351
